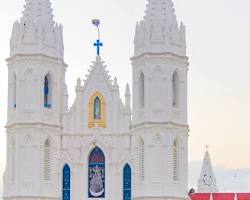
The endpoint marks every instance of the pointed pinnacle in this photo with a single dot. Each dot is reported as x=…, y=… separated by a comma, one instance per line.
x=115, y=82
x=127, y=93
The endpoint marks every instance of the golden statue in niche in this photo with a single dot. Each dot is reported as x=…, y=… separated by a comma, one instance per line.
x=97, y=109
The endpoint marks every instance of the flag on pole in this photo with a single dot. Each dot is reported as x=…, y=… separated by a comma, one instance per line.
x=96, y=22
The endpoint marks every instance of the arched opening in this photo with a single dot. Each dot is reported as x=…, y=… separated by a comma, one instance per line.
x=175, y=160
x=66, y=182
x=127, y=182
x=47, y=91
x=97, y=108
x=96, y=176
x=47, y=160
x=141, y=160
x=175, y=90
x=142, y=90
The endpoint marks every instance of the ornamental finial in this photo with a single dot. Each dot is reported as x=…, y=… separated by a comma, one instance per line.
x=98, y=43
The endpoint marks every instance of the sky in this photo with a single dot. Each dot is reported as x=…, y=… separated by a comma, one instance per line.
x=218, y=46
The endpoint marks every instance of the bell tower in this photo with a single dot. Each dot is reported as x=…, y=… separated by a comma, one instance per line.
x=37, y=99
x=160, y=129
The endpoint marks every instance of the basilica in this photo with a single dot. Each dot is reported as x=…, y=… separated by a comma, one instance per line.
x=98, y=147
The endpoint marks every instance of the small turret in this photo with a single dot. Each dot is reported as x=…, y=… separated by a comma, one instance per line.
x=115, y=84
x=128, y=98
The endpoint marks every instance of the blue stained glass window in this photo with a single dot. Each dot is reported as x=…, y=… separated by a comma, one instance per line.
x=127, y=182
x=97, y=108
x=96, y=178
x=47, y=92
x=14, y=91
x=66, y=182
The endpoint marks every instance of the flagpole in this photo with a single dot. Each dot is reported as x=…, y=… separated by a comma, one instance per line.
x=96, y=22
x=99, y=36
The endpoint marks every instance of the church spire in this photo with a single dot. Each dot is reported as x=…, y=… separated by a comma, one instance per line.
x=159, y=31
x=38, y=11
x=37, y=32
x=159, y=11
x=207, y=181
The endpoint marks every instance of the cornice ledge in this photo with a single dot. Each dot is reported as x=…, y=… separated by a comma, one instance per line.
x=33, y=125
x=165, y=124
x=164, y=54
x=84, y=134
x=38, y=56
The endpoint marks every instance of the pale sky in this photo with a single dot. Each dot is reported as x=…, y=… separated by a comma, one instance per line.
x=218, y=45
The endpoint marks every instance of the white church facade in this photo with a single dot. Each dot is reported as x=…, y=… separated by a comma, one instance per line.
x=100, y=147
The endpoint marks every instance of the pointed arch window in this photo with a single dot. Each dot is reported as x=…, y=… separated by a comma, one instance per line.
x=47, y=91
x=141, y=160
x=97, y=111
x=14, y=90
x=96, y=174
x=175, y=159
x=47, y=161
x=66, y=182
x=175, y=90
x=142, y=90
x=127, y=182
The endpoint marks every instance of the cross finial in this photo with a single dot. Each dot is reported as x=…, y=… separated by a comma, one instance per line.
x=98, y=43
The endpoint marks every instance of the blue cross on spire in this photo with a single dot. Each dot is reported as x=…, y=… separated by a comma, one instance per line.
x=98, y=43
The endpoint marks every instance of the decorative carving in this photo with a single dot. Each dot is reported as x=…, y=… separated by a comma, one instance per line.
x=27, y=140
x=158, y=140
